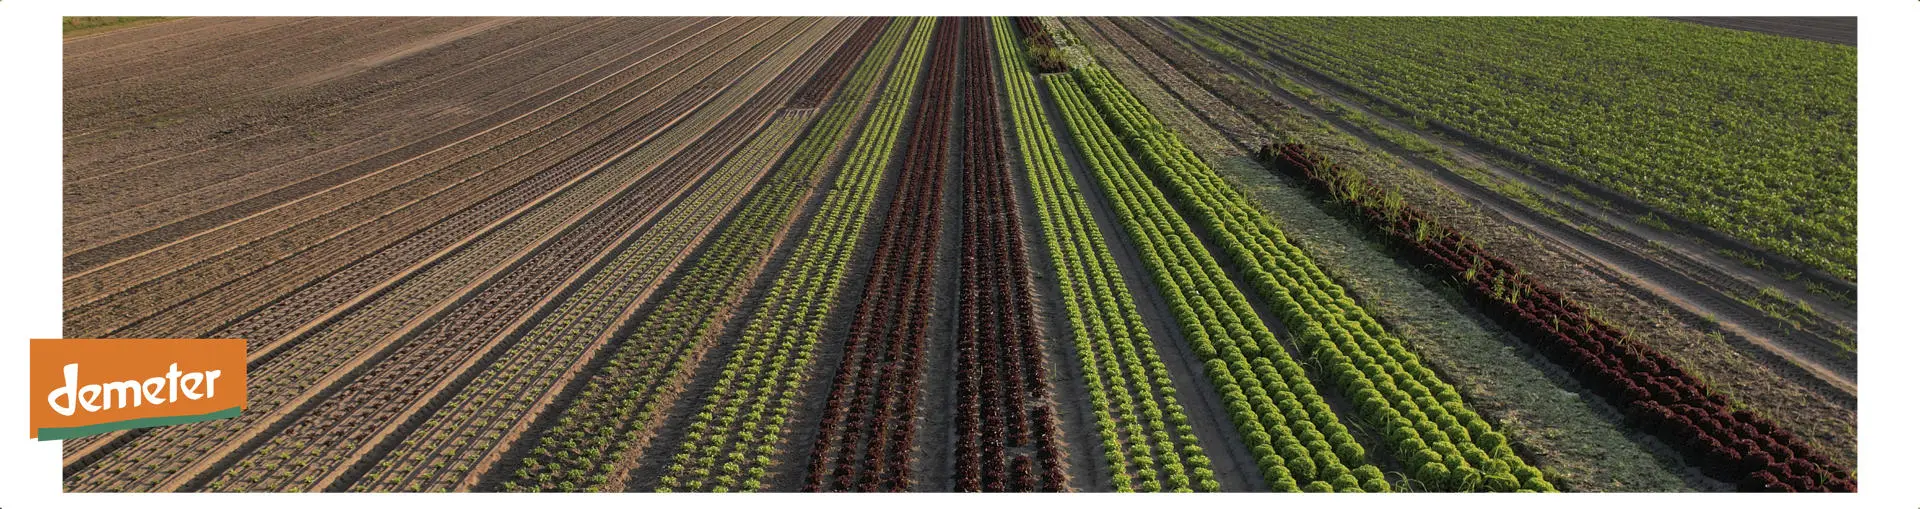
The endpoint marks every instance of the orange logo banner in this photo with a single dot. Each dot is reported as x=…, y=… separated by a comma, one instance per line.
x=87, y=386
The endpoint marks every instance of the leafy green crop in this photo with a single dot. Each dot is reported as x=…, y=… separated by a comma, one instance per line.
x=1300, y=443
x=737, y=432
x=1746, y=133
x=1130, y=388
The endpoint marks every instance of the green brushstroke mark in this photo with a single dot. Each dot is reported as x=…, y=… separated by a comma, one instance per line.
x=145, y=422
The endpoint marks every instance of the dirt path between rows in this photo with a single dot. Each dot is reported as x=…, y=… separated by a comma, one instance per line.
x=1820, y=413
x=1087, y=470
x=1629, y=234
x=803, y=426
x=933, y=457
x=1342, y=406
x=1233, y=465
x=1497, y=377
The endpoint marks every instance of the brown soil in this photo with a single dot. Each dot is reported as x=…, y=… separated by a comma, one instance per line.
x=169, y=94
x=457, y=296
x=934, y=438
x=1087, y=469
x=433, y=361
x=290, y=318
x=492, y=161
x=261, y=151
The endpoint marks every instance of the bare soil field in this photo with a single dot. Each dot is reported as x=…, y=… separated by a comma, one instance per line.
x=263, y=151
x=552, y=132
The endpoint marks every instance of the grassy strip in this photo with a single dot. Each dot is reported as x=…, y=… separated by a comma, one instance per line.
x=75, y=26
x=1574, y=443
x=1447, y=445
x=1770, y=162
x=1291, y=430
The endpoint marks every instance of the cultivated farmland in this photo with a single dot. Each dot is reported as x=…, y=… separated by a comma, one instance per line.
x=1028, y=254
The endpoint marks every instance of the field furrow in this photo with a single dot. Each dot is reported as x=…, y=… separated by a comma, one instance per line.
x=499, y=78
x=963, y=254
x=1129, y=386
x=1007, y=437
x=1443, y=443
x=715, y=455
x=636, y=244
x=869, y=423
x=294, y=371
x=421, y=192
x=364, y=413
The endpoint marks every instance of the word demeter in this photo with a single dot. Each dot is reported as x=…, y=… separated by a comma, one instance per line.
x=158, y=390
x=81, y=387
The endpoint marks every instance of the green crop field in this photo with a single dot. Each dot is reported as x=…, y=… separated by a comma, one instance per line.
x=1746, y=133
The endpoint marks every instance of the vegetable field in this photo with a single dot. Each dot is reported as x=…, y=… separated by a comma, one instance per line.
x=1749, y=134
x=1008, y=254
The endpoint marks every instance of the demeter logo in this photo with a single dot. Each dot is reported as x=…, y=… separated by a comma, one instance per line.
x=87, y=386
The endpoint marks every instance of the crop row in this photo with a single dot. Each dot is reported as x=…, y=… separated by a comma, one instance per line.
x=453, y=442
x=1429, y=429
x=287, y=320
x=93, y=275
x=299, y=368
x=1040, y=46
x=1771, y=163
x=821, y=87
x=1130, y=388
x=1291, y=430
x=151, y=188
x=295, y=317
x=1004, y=404
x=1655, y=393
x=1451, y=447
x=619, y=409
x=506, y=397
x=1030, y=29
x=733, y=439
x=511, y=393
x=865, y=438
x=247, y=264
x=654, y=237
x=426, y=360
